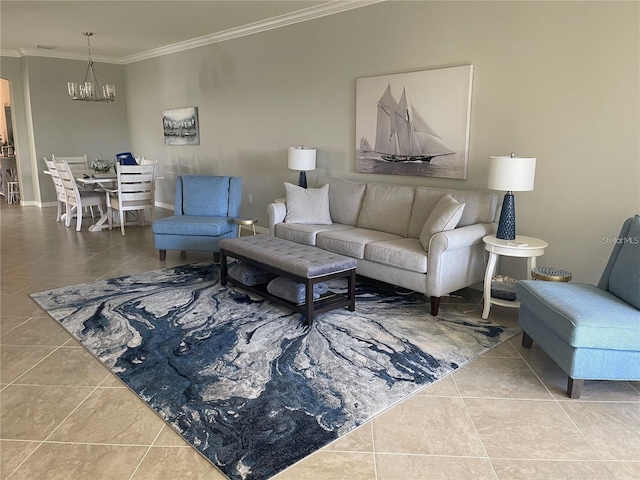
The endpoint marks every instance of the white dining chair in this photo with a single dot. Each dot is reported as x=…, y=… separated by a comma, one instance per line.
x=136, y=192
x=79, y=165
x=61, y=194
x=77, y=199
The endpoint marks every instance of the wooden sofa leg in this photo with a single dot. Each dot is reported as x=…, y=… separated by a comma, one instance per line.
x=574, y=387
x=163, y=254
x=527, y=341
x=183, y=254
x=435, y=305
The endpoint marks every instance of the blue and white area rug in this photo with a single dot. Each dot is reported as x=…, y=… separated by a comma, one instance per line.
x=246, y=382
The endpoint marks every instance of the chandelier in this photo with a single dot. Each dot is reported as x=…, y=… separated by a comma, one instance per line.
x=91, y=89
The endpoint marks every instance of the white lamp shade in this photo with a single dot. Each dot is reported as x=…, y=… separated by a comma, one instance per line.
x=512, y=174
x=301, y=158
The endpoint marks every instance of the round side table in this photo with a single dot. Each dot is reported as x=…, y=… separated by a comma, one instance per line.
x=523, y=247
x=246, y=221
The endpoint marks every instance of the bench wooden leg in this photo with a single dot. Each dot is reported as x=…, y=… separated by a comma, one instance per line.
x=435, y=305
x=352, y=291
x=308, y=302
x=574, y=387
x=163, y=254
x=223, y=269
x=527, y=341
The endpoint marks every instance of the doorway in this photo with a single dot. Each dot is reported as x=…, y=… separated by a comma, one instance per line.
x=9, y=178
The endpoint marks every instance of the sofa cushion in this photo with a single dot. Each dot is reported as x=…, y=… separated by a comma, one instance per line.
x=444, y=217
x=406, y=253
x=305, y=234
x=624, y=281
x=205, y=195
x=193, y=225
x=307, y=205
x=351, y=242
x=480, y=207
x=345, y=199
x=582, y=315
x=387, y=208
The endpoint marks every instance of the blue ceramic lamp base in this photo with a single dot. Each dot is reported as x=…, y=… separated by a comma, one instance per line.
x=302, y=179
x=507, y=224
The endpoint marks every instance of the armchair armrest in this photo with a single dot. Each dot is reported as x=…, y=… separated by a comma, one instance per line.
x=276, y=211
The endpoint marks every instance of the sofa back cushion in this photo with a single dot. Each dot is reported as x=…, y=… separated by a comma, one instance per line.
x=203, y=195
x=345, y=199
x=387, y=208
x=480, y=207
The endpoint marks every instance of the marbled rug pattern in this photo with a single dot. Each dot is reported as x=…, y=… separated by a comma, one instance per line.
x=246, y=382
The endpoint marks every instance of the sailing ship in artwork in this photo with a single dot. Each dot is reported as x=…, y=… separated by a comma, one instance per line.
x=402, y=135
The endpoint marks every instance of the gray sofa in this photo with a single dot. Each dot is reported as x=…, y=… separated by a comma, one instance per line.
x=380, y=225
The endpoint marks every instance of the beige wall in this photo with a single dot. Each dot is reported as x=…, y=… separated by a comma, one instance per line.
x=48, y=122
x=554, y=80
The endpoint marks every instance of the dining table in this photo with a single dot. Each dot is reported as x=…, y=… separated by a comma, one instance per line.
x=105, y=181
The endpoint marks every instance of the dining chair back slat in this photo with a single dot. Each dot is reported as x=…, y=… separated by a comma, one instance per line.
x=76, y=199
x=57, y=183
x=136, y=192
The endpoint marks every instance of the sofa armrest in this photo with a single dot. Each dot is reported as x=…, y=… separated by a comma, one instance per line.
x=276, y=211
x=456, y=258
x=460, y=237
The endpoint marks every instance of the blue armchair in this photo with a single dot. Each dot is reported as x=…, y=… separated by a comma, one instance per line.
x=592, y=333
x=205, y=208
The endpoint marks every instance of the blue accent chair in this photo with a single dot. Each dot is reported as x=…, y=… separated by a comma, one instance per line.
x=592, y=333
x=205, y=208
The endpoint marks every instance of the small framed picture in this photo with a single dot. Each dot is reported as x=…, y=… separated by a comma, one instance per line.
x=181, y=126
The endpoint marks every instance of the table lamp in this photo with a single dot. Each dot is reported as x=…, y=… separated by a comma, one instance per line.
x=513, y=174
x=303, y=159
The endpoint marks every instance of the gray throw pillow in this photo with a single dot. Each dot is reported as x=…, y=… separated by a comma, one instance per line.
x=307, y=205
x=445, y=216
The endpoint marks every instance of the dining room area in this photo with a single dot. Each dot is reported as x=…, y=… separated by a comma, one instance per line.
x=103, y=194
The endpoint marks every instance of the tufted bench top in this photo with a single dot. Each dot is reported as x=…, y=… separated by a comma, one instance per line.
x=301, y=260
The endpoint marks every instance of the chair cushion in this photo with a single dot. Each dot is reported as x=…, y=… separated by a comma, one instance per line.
x=204, y=195
x=624, y=281
x=308, y=206
x=193, y=225
x=583, y=315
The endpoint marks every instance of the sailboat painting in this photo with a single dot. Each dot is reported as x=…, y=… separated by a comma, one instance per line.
x=414, y=123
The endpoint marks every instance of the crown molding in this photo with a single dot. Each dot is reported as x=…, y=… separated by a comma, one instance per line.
x=311, y=13
x=9, y=53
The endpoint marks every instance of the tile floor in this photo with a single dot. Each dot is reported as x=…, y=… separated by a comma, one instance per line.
x=64, y=416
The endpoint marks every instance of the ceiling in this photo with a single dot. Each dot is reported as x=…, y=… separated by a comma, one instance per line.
x=126, y=31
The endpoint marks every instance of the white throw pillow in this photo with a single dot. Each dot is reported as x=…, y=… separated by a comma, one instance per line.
x=307, y=205
x=445, y=216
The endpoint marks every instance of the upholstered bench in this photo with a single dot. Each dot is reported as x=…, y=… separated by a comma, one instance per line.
x=304, y=264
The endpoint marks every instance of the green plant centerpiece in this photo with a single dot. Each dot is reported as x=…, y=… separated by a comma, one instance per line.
x=100, y=165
